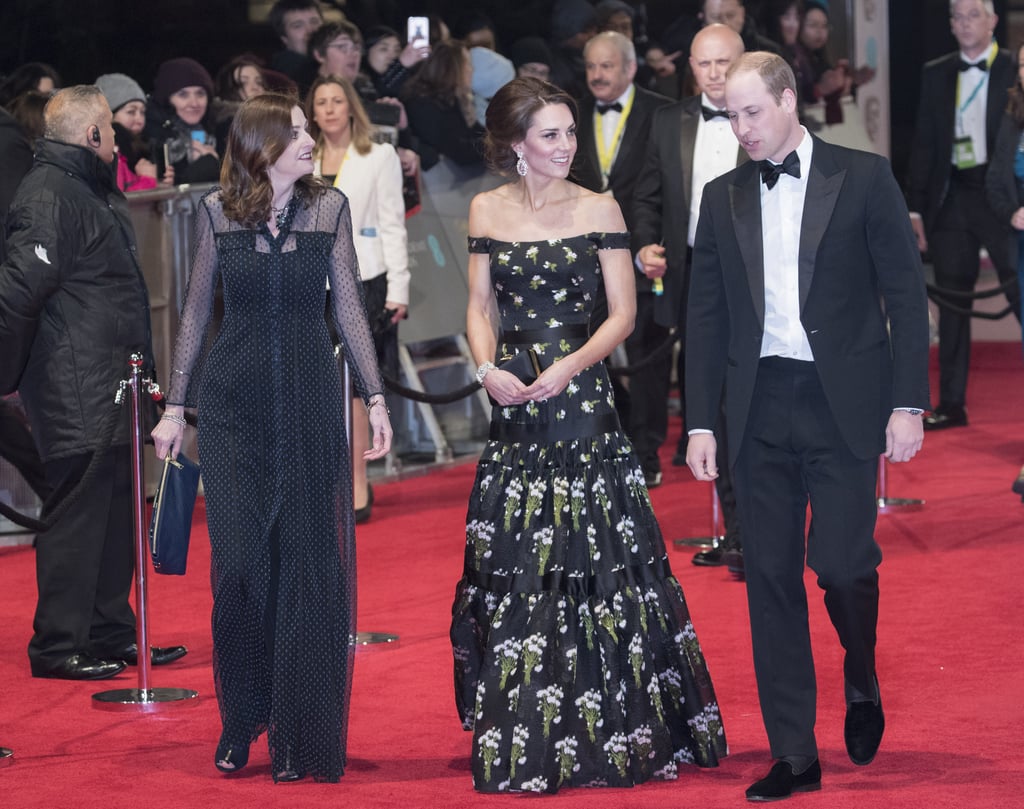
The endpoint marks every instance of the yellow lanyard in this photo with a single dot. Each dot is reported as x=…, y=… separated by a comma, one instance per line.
x=606, y=154
x=341, y=165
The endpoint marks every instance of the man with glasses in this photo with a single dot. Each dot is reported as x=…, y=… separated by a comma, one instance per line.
x=963, y=95
x=337, y=48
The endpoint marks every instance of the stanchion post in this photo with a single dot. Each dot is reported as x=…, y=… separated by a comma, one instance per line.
x=143, y=698
x=886, y=503
x=717, y=533
x=363, y=640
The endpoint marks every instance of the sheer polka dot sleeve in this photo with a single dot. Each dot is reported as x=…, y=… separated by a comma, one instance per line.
x=195, y=314
x=348, y=304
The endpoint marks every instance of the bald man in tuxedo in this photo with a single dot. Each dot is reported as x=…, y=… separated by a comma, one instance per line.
x=691, y=143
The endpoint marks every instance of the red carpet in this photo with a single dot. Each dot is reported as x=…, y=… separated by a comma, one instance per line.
x=950, y=658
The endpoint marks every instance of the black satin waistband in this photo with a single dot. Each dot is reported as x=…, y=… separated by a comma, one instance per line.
x=584, y=427
x=546, y=335
x=578, y=587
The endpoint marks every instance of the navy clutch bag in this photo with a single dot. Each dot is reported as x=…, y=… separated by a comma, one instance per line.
x=171, y=523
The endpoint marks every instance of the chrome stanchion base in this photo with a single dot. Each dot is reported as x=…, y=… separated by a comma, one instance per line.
x=704, y=543
x=899, y=503
x=6, y=757
x=152, y=700
x=375, y=640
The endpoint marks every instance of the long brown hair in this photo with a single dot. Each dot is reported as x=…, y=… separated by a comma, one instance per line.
x=440, y=76
x=510, y=115
x=259, y=134
x=359, y=121
x=1015, y=95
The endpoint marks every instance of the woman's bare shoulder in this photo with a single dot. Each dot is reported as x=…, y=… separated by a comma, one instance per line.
x=488, y=209
x=601, y=211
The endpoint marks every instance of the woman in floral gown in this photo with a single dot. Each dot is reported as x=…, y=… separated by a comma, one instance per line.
x=575, y=660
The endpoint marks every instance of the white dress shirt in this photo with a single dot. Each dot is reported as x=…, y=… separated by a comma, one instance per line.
x=609, y=122
x=714, y=153
x=782, y=210
x=970, y=117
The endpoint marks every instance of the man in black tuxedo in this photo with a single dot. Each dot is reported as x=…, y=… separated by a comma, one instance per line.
x=807, y=303
x=614, y=124
x=963, y=96
x=691, y=143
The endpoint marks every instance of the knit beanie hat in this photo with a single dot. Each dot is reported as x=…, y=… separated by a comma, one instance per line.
x=570, y=17
x=119, y=89
x=174, y=74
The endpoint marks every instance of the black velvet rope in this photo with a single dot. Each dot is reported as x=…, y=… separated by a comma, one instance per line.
x=941, y=298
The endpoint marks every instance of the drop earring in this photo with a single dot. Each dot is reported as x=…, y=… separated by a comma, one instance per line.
x=521, y=167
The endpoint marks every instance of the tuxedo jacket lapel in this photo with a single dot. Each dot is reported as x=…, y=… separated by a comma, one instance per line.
x=824, y=179
x=687, y=142
x=745, y=200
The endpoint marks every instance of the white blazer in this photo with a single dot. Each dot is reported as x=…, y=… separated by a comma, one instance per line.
x=373, y=184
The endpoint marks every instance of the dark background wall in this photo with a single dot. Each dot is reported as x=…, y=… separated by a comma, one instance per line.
x=85, y=38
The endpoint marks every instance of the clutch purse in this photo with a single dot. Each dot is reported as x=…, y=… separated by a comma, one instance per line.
x=524, y=366
x=171, y=523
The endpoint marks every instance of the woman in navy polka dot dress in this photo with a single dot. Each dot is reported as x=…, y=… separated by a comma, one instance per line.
x=272, y=443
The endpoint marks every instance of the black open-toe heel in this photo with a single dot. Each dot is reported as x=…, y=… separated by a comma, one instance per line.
x=290, y=773
x=231, y=758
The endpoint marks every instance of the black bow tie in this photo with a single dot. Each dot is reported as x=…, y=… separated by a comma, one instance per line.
x=982, y=65
x=603, y=108
x=770, y=172
x=711, y=112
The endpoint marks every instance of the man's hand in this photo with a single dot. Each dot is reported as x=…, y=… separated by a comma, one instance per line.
x=917, y=223
x=1017, y=220
x=652, y=260
x=904, y=435
x=700, y=456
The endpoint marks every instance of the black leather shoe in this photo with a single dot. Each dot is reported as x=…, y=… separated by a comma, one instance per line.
x=679, y=459
x=6, y=756
x=946, y=416
x=712, y=557
x=162, y=655
x=781, y=782
x=231, y=757
x=652, y=479
x=1018, y=484
x=81, y=667
x=863, y=730
x=733, y=559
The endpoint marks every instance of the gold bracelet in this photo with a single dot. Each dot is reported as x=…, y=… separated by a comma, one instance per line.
x=381, y=401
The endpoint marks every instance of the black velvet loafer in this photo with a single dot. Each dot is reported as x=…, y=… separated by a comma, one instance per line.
x=863, y=730
x=781, y=782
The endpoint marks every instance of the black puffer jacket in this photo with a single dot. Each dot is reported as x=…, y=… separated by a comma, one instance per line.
x=73, y=303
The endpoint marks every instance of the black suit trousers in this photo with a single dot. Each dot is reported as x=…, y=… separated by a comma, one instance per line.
x=964, y=225
x=85, y=562
x=792, y=454
x=648, y=387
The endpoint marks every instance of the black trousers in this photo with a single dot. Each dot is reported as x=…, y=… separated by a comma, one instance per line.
x=648, y=387
x=85, y=562
x=792, y=454
x=964, y=225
